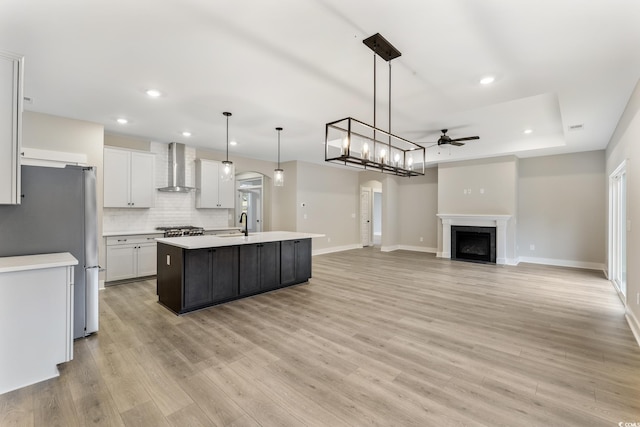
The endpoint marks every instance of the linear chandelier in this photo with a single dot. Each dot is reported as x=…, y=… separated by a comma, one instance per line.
x=354, y=143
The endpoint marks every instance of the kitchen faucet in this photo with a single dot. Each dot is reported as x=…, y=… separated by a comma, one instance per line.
x=246, y=223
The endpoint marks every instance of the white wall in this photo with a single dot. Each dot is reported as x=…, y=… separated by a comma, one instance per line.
x=418, y=206
x=561, y=209
x=284, y=199
x=625, y=145
x=331, y=197
x=481, y=187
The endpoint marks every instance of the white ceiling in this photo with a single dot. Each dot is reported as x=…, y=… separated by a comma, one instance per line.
x=300, y=64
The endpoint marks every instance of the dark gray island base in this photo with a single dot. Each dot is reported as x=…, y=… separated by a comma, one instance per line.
x=191, y=279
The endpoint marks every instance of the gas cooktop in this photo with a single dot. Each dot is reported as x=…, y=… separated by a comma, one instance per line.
x=181, y=230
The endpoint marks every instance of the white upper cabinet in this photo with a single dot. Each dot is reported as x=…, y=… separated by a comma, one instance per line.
x=11, y=77
x=143, y=192
x=211, y=191
x=128, y=179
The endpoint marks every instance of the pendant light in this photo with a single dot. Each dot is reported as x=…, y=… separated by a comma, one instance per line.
x=227, y=167
x=278, y=174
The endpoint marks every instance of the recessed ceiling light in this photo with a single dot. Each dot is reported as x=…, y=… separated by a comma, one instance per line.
x=487, y=80
x=527, y=131
x=122, y=121
x=234, y=142
x=154, y=93
x=186, y=133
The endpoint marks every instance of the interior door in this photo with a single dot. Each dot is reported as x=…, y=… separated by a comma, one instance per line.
x=365, y=216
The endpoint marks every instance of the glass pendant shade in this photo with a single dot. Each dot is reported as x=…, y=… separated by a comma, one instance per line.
x=278, y=178
x=278, y=173
x=226, y=172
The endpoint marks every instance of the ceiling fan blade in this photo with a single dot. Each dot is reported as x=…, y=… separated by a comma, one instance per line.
x=457, y=144
x=468, y=138
x=428, y=142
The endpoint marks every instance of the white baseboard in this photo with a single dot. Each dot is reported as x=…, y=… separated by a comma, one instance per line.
x=563, y=263
x=335, y=249
x=389, y=248
x=632, y=320
x=417, y=249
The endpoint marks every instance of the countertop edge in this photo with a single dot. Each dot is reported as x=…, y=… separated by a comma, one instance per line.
x=202, y=242
x=36, y=262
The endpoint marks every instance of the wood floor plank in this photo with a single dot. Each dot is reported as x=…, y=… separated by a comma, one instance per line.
x=17, y=408
x=375, y=339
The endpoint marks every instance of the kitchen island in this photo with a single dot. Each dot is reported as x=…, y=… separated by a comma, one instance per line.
x=201, y=271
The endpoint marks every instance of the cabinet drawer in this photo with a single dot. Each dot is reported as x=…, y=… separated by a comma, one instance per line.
x=132, y=240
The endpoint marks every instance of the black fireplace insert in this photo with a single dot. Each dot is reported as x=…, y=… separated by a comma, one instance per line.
x=475, y=244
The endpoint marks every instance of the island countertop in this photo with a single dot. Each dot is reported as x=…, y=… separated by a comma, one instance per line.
x=213, y=241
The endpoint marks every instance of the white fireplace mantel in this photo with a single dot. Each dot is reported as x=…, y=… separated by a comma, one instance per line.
x=498, y=221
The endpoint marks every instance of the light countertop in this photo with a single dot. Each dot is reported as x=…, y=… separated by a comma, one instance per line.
x=200, y=242
x=140, y=232
x=35, y=262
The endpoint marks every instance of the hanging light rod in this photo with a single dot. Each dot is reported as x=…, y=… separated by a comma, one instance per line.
x=354, y=143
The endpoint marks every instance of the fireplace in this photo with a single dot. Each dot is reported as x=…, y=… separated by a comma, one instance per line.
x=503, y=238
x=475, y=244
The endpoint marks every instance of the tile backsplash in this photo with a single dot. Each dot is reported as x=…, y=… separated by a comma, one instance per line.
x=170, y=208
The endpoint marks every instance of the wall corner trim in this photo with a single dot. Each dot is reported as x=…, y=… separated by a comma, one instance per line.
x=632, y=320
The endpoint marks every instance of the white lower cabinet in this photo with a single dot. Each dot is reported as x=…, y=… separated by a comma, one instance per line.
x=129, y=257
x=146, y=259
x=36, y=319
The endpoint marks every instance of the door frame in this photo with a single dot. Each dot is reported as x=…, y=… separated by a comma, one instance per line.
x=617, y=259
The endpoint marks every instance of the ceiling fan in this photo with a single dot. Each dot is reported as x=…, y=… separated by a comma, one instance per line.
x=446, y=139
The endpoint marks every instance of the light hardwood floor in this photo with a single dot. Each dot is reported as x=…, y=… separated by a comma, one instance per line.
x=384, y=339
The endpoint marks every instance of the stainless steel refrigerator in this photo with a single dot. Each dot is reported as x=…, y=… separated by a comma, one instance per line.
x=58, y=214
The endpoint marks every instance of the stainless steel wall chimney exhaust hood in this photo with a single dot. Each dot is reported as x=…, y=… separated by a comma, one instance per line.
x=177, y=170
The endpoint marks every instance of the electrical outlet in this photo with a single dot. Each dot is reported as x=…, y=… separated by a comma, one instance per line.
x=532, y=247
x=328, y=239
x=422, y=239
x=168, y=259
